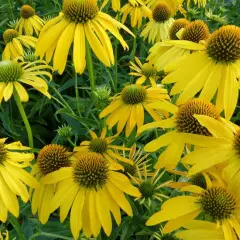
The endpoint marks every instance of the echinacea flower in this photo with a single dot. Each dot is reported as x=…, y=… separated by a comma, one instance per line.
x=149, y=186
x=184, y=129
x=103, y=145
x=176, y=27
x=14, y=44
x=161, y=20
x=144, y=72
x=219, y=203
x=91, y=191
x=128, y=107
x=227, y=152
x=80, y=23
x=137, y=11
x=170, y=51
x=29, y=21
x=215, y=69
x=13, y=74
x=52, y=157
x=13, y=177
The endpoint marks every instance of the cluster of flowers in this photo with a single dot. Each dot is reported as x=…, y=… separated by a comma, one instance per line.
x=91, y=183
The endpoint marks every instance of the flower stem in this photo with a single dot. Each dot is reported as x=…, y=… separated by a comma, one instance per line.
x=17, y=227
x=90, y=67
x=134, y=43
x=71, y=142
x=76, y=90
x=24, y=117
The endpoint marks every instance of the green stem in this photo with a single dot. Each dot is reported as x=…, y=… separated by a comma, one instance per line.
x=24, y=117
x=134, y=43
x=11, y=11
x=17, y=227
x=76, y=91
x=90, y=67
x=71, y=142
x=51, y=235
x=63, y=100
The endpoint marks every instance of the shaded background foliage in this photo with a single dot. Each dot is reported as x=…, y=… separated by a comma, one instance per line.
x=46, y=116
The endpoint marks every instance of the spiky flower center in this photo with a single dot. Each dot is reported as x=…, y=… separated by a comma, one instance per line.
x=176, y=27
x=133, y=94
x=10, y=71
x=149, y=70
x=161, y=12
x=147, y=189
x=3, y=153
x=27, y=11
x=9, y=35
x=98, y=145
x=187, y=123
x=90, y=170
x=218, y=203
x=199, y=180
x=52, y=157
x=196, y=31
x=30, y=57
x=80, y=11
x=224, y=45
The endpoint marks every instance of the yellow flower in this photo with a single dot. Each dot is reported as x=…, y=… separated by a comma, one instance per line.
x=52, y=157
x=219, y=203
x=176, y=27
x=144, y=71
x=128, y=107
x=171, y=51
x=184, y=129
x=103, y=146
x=80, y=23
x=92, y=191
x=29, y=21
x=200, y=3
x=13, y=177
x=14, y=44
x=13, y=74
x=198, y=229
x=214, y=70
x=149, y=187
x=227, y=152
x=161, y=20
x=137, y=10
x=116, y=4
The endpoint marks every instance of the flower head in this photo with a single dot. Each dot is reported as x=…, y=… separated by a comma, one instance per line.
x=176, y=27
x=14, y=42
x=214, y=69
x=13, y=74
x=80, y=23
x=128, y=107
x=91, y=191
x=144, y=71
x=13, y=177
x=29, y=21
x=185, y=129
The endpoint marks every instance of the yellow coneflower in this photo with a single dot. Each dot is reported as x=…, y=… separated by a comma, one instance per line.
x=185, y=129
x=137, y=11
x=13, y=74
x=219, y=203
x=116, y=4
x=13, y=177
x=29, y=21
x=103, y=146
x=149, y=187
x=14, y=44
x=144, y=72
x=227, y=152
x=52, y=157
x=80, y=23
x=161, y=20
x=168, y=52
x=92, y=191
x=176, y=27
x=214, y=70
x=128, y=107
